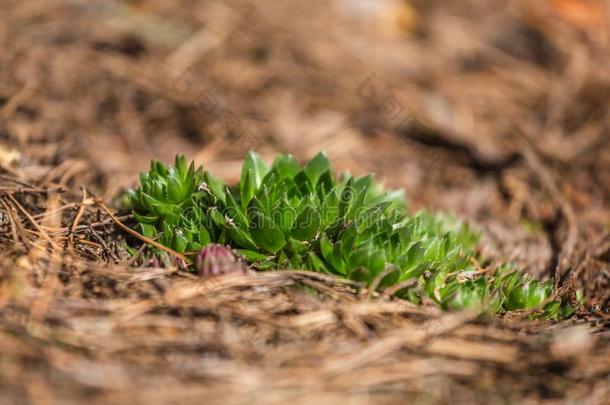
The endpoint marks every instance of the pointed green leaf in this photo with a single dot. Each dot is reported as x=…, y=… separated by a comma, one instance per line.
x=285, y=166
x=316, y=166
x=254, y=163
x=265, y=233
x=247, y=187
x=148, y=230
x=307, y=224
x=251, y=255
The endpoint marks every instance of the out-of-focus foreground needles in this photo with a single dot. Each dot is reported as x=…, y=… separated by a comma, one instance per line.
x=497, y=112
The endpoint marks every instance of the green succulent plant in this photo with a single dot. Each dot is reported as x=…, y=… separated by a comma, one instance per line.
x=287, y=216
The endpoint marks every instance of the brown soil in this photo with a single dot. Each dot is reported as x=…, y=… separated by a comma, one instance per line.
x=497, y=111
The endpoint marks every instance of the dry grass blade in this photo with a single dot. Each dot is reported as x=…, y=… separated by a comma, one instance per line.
x=431, y=96
x=407, y=336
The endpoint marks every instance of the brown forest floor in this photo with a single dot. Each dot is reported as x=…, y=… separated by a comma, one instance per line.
x=498, y=111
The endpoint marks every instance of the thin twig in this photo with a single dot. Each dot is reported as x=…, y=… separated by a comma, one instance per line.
x=80, y=213
x=33, y=222
x=139, y=235
x=12, y=220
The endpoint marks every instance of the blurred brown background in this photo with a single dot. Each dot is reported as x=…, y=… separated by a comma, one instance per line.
x=498, y=111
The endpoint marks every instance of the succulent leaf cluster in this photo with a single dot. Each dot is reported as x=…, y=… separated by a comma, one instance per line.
x=288, y=216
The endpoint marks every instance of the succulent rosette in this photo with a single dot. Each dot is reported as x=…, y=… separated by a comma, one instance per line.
x=288, y=216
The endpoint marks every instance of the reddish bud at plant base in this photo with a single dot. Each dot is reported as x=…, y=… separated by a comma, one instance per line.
x=218, y=259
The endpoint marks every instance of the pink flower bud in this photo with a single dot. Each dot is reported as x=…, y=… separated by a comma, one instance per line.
x=217, y=259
